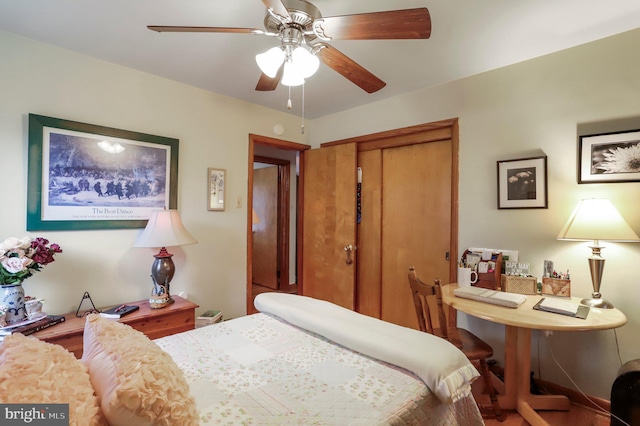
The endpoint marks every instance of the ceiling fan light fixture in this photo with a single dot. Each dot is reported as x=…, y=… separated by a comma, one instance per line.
x=306, y=62
x=292, y=75
x=270, y=61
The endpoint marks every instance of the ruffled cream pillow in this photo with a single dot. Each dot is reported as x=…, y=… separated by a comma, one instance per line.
x=138, y=383
x=33, y=371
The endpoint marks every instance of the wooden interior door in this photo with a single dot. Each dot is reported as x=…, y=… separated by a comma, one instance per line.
x=416, y=231
x=265, y=233
x=329, y=224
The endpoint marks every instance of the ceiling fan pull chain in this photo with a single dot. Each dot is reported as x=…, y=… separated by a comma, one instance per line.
x=302, y=126
x=289, y=100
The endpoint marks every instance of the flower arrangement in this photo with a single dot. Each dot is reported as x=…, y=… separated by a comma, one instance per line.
x=20, y=258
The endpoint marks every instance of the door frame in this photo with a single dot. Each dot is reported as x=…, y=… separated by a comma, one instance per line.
x=286, y=146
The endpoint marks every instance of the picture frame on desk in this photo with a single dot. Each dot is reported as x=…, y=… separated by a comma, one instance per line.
x=522, y=183
x=556, y=287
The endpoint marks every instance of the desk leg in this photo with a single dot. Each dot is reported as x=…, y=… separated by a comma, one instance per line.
x=526, y=402
x=517, y=378
x=508, y=401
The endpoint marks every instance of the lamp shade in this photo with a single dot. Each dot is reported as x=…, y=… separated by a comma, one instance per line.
x=597, y=220
x=164, y=229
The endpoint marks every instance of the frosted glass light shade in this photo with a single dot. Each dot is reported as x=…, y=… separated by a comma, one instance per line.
x=306, y=63
x=597, y=220
x=270, y=61
x=164, y=229
x=292, y=75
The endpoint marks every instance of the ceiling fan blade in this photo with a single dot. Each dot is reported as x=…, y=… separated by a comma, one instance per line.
x=267, y=84
x=349, y=69
x=174, y=29
x=278, y=9
x=394, y=24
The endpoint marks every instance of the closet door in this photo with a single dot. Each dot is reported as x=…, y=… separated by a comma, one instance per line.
x=416, y=223
x=329, y=224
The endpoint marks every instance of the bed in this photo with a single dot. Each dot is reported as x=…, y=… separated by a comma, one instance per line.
x=294, y=363
x=300, y=361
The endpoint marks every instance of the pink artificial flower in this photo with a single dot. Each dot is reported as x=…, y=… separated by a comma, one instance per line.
x=15, y=264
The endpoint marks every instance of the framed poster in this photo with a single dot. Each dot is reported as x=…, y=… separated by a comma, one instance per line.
x=522, y=183
x=216, y=179
x=611, y=157
x=82, y=176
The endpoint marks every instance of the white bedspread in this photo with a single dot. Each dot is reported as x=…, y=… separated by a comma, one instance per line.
x=259, y=370
x=444, y=368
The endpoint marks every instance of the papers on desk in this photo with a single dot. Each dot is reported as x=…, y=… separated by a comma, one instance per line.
x=562, y=307
x=500, y=298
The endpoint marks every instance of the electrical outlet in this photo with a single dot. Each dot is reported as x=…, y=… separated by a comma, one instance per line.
x=239, y=202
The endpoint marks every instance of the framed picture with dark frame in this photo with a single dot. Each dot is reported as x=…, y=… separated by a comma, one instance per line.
x=216, y=183
x=609, y=157
x=83, y=176
x=522, y=183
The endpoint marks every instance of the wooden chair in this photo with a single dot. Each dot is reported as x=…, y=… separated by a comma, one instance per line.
x=476, y=350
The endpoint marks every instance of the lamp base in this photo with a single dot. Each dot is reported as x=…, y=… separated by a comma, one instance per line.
x=162, y=271
x=597, y=303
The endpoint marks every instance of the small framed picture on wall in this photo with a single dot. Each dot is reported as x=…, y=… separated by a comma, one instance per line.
x=522, y=183
x=216, y=184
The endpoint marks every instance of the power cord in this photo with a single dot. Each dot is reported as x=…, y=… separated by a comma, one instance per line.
x=615, y=334
x=597, y=407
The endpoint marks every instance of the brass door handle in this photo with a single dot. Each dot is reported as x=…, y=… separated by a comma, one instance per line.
x=349, y=248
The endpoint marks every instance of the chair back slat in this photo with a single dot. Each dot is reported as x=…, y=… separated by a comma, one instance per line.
x=421, y=293
x=442, y=318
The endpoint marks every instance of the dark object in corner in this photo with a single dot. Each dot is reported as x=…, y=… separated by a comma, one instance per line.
x=625, y=395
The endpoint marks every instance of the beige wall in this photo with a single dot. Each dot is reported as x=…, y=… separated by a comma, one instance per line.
x=529, y=108
x=213, y=132
x=536, y=106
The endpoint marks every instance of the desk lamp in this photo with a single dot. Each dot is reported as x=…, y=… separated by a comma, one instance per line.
x=164, y=229
x=597, y=220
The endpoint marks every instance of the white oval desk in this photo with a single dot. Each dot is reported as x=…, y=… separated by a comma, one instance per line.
x=519, y=322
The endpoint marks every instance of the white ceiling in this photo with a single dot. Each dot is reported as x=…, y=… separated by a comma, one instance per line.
x=468, y=37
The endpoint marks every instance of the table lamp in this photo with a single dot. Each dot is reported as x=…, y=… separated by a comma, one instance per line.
x=164, y=229
x=597, y=220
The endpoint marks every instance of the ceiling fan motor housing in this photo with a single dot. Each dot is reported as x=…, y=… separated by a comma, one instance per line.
x=302, y=15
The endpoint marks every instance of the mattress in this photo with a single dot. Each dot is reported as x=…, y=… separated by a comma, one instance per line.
x=261, y=370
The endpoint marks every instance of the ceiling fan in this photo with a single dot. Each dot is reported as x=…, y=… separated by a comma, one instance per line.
x=297, y=23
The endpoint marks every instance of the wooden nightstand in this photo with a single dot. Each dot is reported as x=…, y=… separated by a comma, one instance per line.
x=155, y=323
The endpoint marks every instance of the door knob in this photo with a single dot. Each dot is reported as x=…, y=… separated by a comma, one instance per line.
x=349, y=248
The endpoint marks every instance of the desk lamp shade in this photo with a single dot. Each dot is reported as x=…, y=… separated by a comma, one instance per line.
x=597, y=220
x=164, y=229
